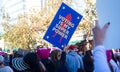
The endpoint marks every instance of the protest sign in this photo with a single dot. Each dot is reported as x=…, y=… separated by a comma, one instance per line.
x=62, y=26
x=109, y=11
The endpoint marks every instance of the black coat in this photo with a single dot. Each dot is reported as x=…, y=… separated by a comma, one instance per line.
x=56, y=66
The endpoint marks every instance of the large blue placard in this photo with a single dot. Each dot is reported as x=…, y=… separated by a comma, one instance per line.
x=62, y=26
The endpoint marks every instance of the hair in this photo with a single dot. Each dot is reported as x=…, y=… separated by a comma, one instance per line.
x=54, y=54
x=114, y=58
x=6, y=56
x=91, y=42
x=16, y=54
x=111, y=67
x=33, y=61
x=81, y=46
x=1, y=63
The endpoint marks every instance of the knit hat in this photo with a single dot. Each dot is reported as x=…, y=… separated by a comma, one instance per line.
x=109, y=54
x=43, y=53
x=72, y=47
x=2, y=53
x=1, y=59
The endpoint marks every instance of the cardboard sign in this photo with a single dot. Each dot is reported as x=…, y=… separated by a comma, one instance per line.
x=109, y=11
x=63, y=26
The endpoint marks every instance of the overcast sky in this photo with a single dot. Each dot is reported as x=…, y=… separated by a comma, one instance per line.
x=109, y=10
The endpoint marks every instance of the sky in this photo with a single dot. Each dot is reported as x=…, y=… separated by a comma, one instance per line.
x=108, y=10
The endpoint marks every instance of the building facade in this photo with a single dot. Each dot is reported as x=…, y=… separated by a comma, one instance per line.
x=15, y=8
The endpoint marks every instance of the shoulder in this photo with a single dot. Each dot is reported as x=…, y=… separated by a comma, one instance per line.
x=113, y=63
x=6, y=69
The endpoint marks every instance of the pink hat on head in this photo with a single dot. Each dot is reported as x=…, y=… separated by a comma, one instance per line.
x=109, y=54
x=43, y=53
x=72, y=47
x=2, y=53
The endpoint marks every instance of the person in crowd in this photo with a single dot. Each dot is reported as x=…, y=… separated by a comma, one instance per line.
x=29, y=63
x=1, y=52
x=99, y=52
x=44, y=54
x=114, y=62
x=81, y=48
x=109, y=57
x=91, y=44
x=4, y=68
x=10, y=58
x=88, y=58
x=117, y=54
x=16, y=54
x=73, y=60
x=88, y=62
x=58, y=61
x=6, y=59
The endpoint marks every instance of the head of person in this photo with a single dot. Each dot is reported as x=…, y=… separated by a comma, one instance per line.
x=55, y=55
x=16, y=54
x=83, y=43
x=91, y=44
x=29, y=62
x=79, y=47
x=6, y=56
x=87, y=46
x=43, y=53
x=1, y=60
x=73, y=48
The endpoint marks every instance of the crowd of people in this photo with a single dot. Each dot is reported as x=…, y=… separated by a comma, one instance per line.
x=86, y=56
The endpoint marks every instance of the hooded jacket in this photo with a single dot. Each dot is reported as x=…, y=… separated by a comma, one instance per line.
x=74, y=61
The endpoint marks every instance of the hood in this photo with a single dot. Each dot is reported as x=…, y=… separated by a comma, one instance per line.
x=73, y=53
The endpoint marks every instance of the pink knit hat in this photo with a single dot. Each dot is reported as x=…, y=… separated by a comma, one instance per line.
x=2, y=53
x=109, y=54
x=43, y=53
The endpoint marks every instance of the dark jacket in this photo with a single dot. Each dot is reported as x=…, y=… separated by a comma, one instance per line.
x=88, y=62
x=56, y=66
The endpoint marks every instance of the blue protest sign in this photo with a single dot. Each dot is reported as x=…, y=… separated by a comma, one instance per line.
x=62, y=26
